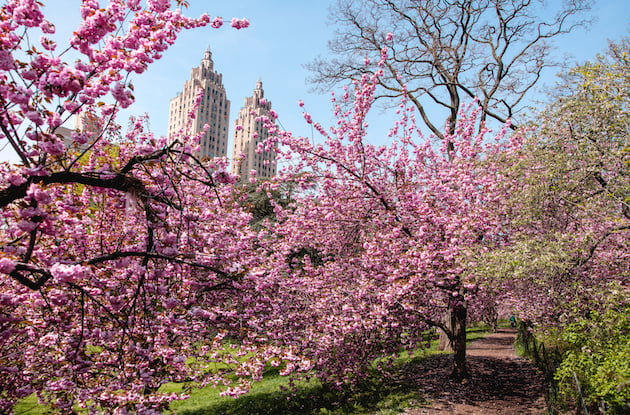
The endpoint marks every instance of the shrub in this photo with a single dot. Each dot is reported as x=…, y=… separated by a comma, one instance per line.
x=597, y=357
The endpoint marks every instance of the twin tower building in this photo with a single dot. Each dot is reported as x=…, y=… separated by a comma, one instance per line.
x=214, y=110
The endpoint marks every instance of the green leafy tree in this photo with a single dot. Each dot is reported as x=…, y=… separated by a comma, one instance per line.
x=569, y=261
x=597, y=359
x=572, y=216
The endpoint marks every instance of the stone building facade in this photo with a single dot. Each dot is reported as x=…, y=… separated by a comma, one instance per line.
x=214, y=109
x=250, y=133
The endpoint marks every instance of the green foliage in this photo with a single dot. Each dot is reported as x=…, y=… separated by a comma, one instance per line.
x=579, y=217
x=570, y=216
x=260, y=199
x=30, y=406
x=275, y=395
x=597, y=353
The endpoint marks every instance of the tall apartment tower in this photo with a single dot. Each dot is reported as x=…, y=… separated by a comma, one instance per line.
x=248, y=133
x=213, y=110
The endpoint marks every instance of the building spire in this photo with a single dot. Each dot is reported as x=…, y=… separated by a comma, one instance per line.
x=213, y=142
x=251, y=135
x=207, y=56
x=258, y=91
x=207, y=62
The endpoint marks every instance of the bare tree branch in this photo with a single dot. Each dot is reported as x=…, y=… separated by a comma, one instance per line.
x=444, y=51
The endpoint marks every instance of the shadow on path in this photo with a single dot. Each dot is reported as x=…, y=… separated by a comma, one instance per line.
x=500, y=381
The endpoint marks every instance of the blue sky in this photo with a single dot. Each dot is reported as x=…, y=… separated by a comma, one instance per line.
x=284, y=35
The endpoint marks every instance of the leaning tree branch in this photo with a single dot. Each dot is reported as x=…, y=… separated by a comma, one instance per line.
x=119, y=181
x=45, y=275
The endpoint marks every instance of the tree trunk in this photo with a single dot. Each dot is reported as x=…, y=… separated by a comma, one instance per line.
x=444, y=342
x=458, y=316
x=454, y=337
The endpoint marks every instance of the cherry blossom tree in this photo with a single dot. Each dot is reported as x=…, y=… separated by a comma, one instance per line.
x=386, y=241
x=125, y=262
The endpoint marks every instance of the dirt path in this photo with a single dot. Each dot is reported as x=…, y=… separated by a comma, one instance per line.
x=501, y=382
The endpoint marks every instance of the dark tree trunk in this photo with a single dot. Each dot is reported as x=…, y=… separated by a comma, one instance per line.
x=459, y=314
x=453, y=337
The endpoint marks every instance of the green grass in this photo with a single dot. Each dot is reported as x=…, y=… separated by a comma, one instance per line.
x=30, y=406
x=274, y=395
x=386, y=392
x=476, y=332
x=382, y=393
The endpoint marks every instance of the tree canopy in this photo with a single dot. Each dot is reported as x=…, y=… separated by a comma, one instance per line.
x=123, y=259
x=572, y=214
x=443, y=53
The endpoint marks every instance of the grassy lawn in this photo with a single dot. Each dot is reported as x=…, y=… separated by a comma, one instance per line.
x=381, y=393
x=376, y=394
x=29, y=406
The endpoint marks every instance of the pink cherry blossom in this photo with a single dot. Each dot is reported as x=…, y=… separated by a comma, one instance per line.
x=47, y=27
x=94, y=251
x=240, y=23
x=6, y=265
x=217, y=22
x=47, y=43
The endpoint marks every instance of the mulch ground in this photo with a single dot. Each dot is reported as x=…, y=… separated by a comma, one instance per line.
x=500, y=382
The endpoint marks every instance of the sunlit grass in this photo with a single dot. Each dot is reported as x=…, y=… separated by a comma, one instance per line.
x=30, y=406
x=273, y=395
x=382, y=393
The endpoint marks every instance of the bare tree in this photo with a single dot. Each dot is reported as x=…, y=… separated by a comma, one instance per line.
x=443, y=52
